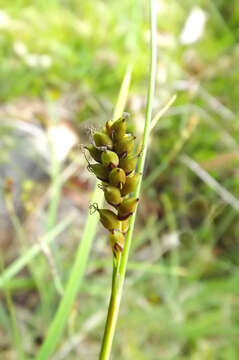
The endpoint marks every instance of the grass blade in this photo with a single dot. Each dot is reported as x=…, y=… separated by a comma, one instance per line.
x=22, y=261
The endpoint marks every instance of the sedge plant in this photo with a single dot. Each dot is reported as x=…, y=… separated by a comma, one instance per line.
x=78, y=269
x=112, y=149
x=115, y=166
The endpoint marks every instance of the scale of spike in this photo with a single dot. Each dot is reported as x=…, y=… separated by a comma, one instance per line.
x=125, y=226
x=108, y=126
x=117, y=241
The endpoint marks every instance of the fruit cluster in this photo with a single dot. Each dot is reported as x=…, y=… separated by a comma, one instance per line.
x=112, y=149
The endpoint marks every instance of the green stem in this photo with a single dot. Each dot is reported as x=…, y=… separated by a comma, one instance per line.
x=111, y=317
x=119, y=272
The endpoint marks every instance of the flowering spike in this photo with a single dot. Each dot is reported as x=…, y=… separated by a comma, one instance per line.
x=112, y=150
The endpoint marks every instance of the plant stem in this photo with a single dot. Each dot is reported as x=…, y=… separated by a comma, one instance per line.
x=120, y=269
x=111, y=317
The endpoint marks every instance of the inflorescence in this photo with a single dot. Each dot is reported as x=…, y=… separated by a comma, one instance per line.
x=113, y=151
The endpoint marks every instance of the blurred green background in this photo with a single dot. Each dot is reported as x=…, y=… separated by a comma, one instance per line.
x=61, y=66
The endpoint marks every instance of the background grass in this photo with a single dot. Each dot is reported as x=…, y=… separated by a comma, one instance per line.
x=65, y=61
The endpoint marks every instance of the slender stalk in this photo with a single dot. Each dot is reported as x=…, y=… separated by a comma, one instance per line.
x=120, y=269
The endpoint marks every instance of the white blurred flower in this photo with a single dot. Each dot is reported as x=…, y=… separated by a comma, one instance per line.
x=83, y=27
x=162, y=73
x=4, y=19
x=170, y=240
x=62, y=138
x=165, y=40
x=160, y=6
x=20, y=48
x=31, y=60
x=194, y=26
x=38, y=61
x=45, y=61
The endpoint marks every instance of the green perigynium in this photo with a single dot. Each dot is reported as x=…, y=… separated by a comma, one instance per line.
x=109, y=159
x=112, y=149
x=102, y=141
x=117, y=178
x=128, y=163
x=94, y=152
x=112, y=195
x=100, y=171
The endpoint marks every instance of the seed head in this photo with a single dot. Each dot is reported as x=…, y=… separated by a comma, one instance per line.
x=112, y=149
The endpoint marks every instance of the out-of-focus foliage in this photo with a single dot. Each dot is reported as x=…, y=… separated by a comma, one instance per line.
x=64, y=60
